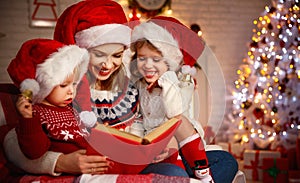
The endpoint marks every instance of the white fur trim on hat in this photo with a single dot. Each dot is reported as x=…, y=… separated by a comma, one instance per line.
x=102, y=34
x=56, y=68
x=161, y=39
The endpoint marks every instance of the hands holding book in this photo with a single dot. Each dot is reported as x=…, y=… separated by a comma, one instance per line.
x=129, y=150
x=82, y=163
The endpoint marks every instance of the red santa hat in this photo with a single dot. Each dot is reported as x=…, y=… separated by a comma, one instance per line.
x=42, y=64
x=176, y=41
x=93, y=22
x=88, y=24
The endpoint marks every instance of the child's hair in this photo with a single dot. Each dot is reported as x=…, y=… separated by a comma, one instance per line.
x=134, y=47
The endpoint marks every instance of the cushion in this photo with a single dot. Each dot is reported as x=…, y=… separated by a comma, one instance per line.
x=8, y=120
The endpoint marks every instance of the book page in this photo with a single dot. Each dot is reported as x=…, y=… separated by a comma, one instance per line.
x=162, y=129
x=119, y=133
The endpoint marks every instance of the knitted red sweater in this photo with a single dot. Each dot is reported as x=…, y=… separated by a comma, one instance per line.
x=52, y=128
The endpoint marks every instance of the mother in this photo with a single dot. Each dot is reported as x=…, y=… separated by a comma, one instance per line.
x=101, y=27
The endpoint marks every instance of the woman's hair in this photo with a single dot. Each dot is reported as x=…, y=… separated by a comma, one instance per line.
x=76, y=73
x=116, y=80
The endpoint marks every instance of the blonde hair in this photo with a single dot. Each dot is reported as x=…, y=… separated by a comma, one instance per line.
x=116, y=81
x=76, y=73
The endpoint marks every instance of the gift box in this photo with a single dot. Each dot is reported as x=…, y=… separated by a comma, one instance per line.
x=294, y=176
x=236, y=149
x=240, y=164
x=253, y=161
x=275, y=170
x=292, y=157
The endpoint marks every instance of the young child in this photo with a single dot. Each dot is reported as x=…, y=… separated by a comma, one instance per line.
x=155, y=62
x=50, y=71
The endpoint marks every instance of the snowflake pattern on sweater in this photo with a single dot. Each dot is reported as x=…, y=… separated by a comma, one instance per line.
x=52, y=128
x=62, y=123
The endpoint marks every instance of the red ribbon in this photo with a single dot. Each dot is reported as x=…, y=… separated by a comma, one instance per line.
x=233, y=154
x=254, y=166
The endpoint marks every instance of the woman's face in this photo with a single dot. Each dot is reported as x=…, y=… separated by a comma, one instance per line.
x=105, y=60
x=150, y=63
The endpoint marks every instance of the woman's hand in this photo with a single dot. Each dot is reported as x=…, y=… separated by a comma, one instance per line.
x=79, y=163
x=162, y=156
x=24, y=107
x=168, y=151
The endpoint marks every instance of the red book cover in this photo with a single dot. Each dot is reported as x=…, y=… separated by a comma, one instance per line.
x=130, y=155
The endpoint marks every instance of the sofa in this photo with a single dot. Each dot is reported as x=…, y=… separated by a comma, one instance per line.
x=9, y=173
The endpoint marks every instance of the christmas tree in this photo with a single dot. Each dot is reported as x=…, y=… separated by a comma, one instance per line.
x=265, y=110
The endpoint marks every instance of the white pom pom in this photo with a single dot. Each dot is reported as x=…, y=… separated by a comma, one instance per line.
x=186, y=69
x=88, y=118
x=30, y=84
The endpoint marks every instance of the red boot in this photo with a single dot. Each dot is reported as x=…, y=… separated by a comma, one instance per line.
x=193, y=151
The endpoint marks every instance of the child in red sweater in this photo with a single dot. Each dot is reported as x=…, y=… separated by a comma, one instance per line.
x=49, y=71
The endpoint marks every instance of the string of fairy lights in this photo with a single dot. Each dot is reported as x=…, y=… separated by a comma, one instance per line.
x=266, y=100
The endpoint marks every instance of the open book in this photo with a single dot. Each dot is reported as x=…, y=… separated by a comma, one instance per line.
x=154, y=136
x=129, y=151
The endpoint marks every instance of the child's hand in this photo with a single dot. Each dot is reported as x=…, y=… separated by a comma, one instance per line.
x=24, y=107
x=152, y=86
x=168, y=79
x=171, y=94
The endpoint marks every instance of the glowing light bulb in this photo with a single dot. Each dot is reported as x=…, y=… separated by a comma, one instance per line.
x=130, y=15
x=169, y=12
x=245, y=139
x=199, y=33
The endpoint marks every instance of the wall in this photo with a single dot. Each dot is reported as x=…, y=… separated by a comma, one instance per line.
x=227, y=27
x=14, y=21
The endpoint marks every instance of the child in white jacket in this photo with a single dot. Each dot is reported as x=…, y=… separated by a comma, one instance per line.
x=155, y=63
